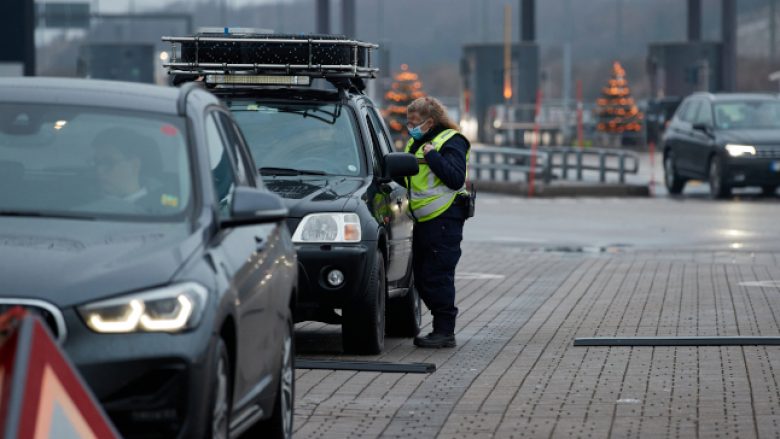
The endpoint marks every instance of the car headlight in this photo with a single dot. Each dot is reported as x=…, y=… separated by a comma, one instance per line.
x=739, y=150
x=169, y=309
x=328, y=227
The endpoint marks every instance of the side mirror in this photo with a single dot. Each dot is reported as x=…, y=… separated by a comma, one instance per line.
x=703, y=127
x=255, y=206
x=400, y=164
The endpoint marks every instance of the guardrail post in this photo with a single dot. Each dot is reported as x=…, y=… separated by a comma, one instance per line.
x=565, y=165
x=548, y=165
x=579, y=165
x=622, y=168
x=506, y=168
x=492, y=168
x=602, y=167
x=478, y=168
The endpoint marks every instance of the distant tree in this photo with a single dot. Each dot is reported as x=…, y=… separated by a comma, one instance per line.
x=406, y=87
x=616, y=109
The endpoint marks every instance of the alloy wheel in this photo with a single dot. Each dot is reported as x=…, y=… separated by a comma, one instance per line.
x=220, y=414
x=287, y=388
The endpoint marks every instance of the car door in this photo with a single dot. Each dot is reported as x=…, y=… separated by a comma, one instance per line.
x=684, y=138
x=400, y=226
x=243, y=257
x=701, y=141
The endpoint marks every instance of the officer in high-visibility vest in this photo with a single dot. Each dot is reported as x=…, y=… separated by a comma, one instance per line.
x=439, y=204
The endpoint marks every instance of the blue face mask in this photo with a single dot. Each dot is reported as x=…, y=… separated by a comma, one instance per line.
x=416, y=132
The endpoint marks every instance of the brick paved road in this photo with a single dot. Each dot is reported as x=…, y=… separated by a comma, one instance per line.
x=515, y=373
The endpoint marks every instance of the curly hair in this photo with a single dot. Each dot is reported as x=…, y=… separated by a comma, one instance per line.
x=431, y=107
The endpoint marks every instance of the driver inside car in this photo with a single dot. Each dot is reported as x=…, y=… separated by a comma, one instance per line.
x=125, y=166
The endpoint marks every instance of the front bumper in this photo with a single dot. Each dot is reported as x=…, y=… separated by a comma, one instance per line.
x=752, y=171
x=151, y=385
x=314, y=263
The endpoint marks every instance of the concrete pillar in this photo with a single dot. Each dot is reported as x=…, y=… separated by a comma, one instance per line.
x=694, y=20
x=17, y=32
x=527, y=21
x=729, y=37
x=348, y=18
x=323, y=16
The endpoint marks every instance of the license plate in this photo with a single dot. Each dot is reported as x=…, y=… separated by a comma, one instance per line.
x=775, y=166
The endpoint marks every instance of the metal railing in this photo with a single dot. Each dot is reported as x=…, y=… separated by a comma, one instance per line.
x=559, y=162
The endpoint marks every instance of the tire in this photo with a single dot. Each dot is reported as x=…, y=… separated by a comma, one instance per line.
x=280, y=424
x=718, y=187
x=219, y=416
x=404, y=314
x=674, y=183
x=363, y=327
x=769, y=190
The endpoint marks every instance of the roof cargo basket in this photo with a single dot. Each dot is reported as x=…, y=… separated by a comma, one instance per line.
x=317, y=56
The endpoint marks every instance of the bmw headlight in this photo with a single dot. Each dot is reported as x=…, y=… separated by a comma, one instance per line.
x=169, y=309
x=740, y=150
x=328, y=228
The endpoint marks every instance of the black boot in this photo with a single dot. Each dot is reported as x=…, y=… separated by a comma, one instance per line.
x=435, y=340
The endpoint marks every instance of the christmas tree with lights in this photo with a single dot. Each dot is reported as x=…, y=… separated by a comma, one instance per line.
x=616, y=109
x=406, y=87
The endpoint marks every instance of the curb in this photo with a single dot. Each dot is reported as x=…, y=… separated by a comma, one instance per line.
x=565, y=190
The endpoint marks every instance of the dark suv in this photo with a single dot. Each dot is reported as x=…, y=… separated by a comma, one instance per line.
x=132, y=221
x=321, y=144
x=729, y=140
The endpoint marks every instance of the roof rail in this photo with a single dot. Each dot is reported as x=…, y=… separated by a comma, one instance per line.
x=322, y=56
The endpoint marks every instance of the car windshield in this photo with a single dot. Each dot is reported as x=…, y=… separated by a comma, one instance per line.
x=312, y=137
x=758, y=114
x=74, y=161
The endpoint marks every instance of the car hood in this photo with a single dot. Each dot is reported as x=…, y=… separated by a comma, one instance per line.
x=750, y=137
x=71, y=262
x=308, y=194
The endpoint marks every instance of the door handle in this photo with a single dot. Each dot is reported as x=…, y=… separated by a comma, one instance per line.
x=259, y=243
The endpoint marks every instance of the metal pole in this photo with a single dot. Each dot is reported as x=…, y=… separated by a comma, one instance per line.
x=694, y=20
x=323, y=16
x=772, y=31
x=348, y=18
x=534, y=144
x=528, y=21
x=729, y=36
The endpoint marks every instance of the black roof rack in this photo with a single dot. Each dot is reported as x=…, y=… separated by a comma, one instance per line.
x=317, y=56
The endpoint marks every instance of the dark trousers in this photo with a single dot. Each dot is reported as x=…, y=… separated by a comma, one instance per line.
x=436, y=251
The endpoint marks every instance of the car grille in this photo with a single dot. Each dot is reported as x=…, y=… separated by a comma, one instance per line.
x=49, y=313
x=768, y=152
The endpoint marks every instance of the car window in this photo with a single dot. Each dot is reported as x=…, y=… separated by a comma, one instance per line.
x=320, y=137
x=233, y=140
x=704, y=115
x=222, y=172
x=381, y=130
x=688, y=113
x=376, y=153
x=90, y=161
x=755, y=114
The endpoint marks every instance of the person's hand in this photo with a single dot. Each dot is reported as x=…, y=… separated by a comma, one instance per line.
x=427, y=148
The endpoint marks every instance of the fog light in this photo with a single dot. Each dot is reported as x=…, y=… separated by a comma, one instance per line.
x=335, y=278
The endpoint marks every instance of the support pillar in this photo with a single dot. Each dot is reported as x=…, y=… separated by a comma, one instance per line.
x=729, y=37
x=323, y=16
x=17, y=31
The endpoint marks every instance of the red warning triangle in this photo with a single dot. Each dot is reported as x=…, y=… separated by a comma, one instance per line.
x=41, y=394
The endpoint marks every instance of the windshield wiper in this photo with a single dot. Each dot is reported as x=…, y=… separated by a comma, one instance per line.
x=65, y=215
x=289, y=171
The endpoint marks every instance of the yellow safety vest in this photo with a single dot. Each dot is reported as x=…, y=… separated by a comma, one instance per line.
x=430, y=197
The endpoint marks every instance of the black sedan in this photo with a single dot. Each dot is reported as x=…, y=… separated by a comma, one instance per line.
x=132, y=221
x=728, y=140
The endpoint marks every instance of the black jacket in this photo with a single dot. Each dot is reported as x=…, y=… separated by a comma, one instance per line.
x=448, y=163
